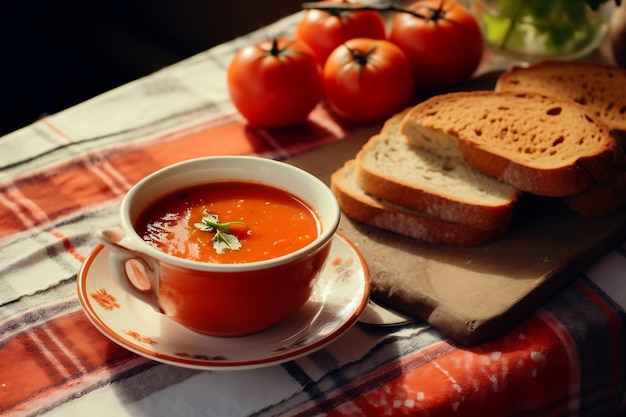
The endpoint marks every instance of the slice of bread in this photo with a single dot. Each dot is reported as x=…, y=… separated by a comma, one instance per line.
x=388, y=167
x=360, y=206
x=543, y=145
x=602, y=200
x=599, y=86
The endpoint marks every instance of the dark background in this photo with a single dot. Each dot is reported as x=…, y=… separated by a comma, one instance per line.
x=57, y=53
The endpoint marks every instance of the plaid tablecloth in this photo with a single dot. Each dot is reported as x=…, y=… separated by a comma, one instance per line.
x=65, y=175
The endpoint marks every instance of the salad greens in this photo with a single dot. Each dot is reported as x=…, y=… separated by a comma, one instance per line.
x=542, y=27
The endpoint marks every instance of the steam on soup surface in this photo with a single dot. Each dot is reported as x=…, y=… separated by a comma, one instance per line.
x=277, y=222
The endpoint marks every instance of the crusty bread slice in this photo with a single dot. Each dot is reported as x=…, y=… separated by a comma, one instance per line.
x=602, y=200
x=388, y=167
x=360, y=206
x=547, y=146
x=601, y=87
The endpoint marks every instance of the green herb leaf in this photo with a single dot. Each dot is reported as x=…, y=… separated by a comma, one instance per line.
x=209, y=222
x=223, y=239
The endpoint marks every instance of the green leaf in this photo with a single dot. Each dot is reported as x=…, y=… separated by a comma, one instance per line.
x=223, y=239
x=554, y=25
x=595, y=4
x=540, y=9
x=576, y=13
x=208, y=223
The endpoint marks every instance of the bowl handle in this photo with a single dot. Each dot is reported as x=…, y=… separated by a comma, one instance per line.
x=136, y=273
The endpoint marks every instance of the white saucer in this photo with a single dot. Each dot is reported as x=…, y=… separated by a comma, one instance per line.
x=339, y=298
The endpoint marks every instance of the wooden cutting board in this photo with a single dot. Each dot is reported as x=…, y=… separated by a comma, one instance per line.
x=476, y=294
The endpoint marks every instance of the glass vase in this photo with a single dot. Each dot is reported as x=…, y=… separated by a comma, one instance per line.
x=533, y=30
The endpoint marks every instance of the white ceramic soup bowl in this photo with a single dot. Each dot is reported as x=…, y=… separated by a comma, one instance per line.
x=214, y=298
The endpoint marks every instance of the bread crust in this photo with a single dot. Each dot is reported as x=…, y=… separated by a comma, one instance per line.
x=543, y=145
x=438, y=205
x=360, y=206
x=404, y=184
x=555, y=182
x=601, y=201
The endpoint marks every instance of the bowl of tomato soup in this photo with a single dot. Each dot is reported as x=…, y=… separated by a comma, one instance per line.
x=226, y=246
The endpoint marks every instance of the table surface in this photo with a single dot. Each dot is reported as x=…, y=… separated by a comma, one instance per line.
x=64, y=176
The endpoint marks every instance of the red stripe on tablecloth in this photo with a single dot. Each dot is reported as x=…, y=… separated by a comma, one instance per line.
x=55, y=129
x=617, y=367
x=67, y=244
x=92, y=179
x=343, y=394
x=536, y=351
x=22, y=209
x=40, y=364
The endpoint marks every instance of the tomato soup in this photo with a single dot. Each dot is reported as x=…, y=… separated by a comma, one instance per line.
x=276, y=222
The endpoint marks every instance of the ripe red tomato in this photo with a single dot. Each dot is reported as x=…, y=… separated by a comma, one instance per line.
x=445, y=46
x=325, y=29
x=275, y=83
x=367, y=80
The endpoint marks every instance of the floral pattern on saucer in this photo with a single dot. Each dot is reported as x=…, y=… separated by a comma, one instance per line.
x=339, y=298
x=105, y=300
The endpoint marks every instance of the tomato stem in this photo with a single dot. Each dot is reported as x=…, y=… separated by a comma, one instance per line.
x=359, y=57
x=432, y=14
x=335, y=8
x=275, y=51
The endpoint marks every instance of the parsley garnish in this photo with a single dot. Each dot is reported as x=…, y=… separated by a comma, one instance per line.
x=223, y=240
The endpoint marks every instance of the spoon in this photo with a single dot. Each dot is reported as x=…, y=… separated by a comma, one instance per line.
x=377, y=315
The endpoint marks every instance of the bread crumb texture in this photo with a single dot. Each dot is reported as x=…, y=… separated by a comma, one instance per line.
x=600, y=87
x=530, y=129
x=372, y=210
x=395, y=159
